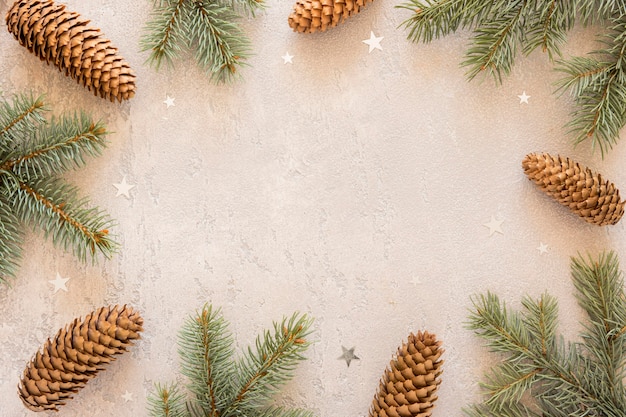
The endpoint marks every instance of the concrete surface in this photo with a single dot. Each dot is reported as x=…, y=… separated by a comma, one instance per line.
x=349, y=185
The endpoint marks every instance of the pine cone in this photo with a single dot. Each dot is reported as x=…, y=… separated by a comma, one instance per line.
x=311, y=16
x=586, y=193
x=64, y=39
x=76, y=354
x=408, y=388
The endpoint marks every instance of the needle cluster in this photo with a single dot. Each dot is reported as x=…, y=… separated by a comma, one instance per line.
x=34, y=152
x=541, y=375
x=501, y=29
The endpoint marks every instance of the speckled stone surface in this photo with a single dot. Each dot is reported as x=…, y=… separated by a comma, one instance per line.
x=349, y=185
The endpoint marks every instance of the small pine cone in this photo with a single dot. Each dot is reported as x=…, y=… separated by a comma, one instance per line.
x=65, y=40
x=76, y=354
x=311, y=16
x=408, y=388
x=586, y=193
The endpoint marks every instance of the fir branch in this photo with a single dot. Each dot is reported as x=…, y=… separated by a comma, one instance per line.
x=19, y=119
x=265, y=370
x=206, y=348
x=495, y=42
x=221, y=387
x=32, y=153
x=54, y=207
x=208, y=27
x=500, y=27
x=58, y=147
x=166, y=30
x=563, y=380
x=167, y=402
x=282, y=412
x=10, y=241
x=599, y=86
x=220, y=43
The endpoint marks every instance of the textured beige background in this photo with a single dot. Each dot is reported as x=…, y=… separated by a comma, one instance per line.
x=350, y=185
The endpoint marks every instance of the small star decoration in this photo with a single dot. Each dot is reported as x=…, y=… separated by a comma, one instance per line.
x=128, y=396
x=494, y=226
x=523, y=98
x=169, y=101
x=373, y=42
x=123, y=188
x=348, y=355
x=542, y=248
x=59, y=283
x=287, y=58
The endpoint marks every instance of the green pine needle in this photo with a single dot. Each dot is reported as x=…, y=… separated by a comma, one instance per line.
x=220, y=386
x=502, y=28
x=543, y=376
x=210, y=28
x=33, y=152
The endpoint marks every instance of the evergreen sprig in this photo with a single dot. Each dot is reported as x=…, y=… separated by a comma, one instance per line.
x=33, y=152
x=208, y=27
x=541, y=375
x=503, y=28
x=220, y=386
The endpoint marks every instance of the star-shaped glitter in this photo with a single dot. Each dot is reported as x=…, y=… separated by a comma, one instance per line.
x=542, y=248
x=169, y=101
x=348, y=355
x=373, y=42
x=495, y=226
x=59, y=283
x=523, y=98
x=287, y=58
x=123, y=188
x=128, y=396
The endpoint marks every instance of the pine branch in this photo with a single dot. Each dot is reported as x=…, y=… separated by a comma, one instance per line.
x=501, y=27
x=495, y=42
x=58, y=147
x=601, y=294
x=32, y=153
x=208, y=27
x=206, y=348
x=220, y=43
x=19, y=119
x=166, y=31
x=599, y=86
x=282, y=412
x=222, y=387
x=53, y=206
x=265, y=370
x=503, y=329
x=168, y=402
x=10, y=241
x=544, y=374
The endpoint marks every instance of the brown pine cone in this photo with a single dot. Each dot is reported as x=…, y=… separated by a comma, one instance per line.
x=77, y=353
x=586, y=193
x=65, y=40
x=311, y=16
x=409, y=386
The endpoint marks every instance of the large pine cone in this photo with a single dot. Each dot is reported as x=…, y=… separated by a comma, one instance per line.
x=408, y=388
x=64, y=39
x=586, y=193
x=311, y=16
x=77, y=353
